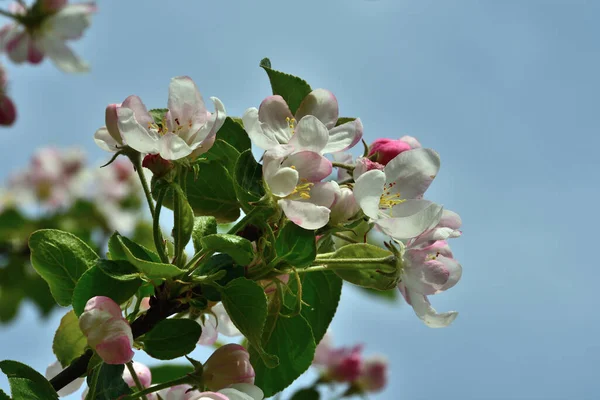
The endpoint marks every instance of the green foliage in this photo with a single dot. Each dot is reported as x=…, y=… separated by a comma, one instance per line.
x=343, y=120
x=3, y=396
x=60, y=258
x=172, y=338
x=248, y=180
x=69, y=342
x=26, y=383
x=203, y=226
x=94, y=282
x=290, y=87
x=238, y=248
x=182, y=230
x=246, y=304
x=296, y=246
x=306, y=394
x=143, y=259
x=321, y=293
x=158, y=114
x=216, y=263
x=168, y=372
x=370, y=278
x=233, y=133
x=291, y=340
x=110, y=384
x=223, y=153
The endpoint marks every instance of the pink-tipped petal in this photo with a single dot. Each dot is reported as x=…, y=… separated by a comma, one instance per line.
x=275, y=116
x=263, y=138
x=344, y=137
x=310, y=135
x=135, y=135
x=412, y=171
x=304, y=214
x=311, y=167
x=322, y=104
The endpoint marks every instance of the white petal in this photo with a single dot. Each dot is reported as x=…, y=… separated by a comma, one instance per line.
x=186, y=104
x=140, y=112
x=344, y=136
x=263, y=139
x=275, y=114
x=225, y=326
x=322, y=194
x=283, y=181
x=231, y=394
x=54, y=369
x=410, y=219
x=105, y=141
x=322, y=104
x=17, y=46
x=306, y=215
x=428, y=314
x=70, y=22
x=368, y=190
x=413, y=171
x=310, y=135
x=254, y=391
x=135, y=135
x=209, y=330
x=311, y=167
x=172, y=147
x=214, y=123
x=344, y=206
x=61, y=55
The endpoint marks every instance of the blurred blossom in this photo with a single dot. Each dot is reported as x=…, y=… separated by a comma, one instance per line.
x=8, y=111
x=54, y=369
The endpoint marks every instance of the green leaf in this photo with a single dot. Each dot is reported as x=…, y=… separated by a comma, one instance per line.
x=110, y=384
x=141, y=258
x=246, y=304
x=216, y=263
x=296, y=246
x=26, y=383
x=69, y=342
x=172, y=338
x=182, y=231
x=13, y=225
x=211, y=192
x=321, y=292
x=237, y=247
x=117, y=252
x=203, y=226
x=385, y=295
x=3, y=396
x=143, y=234
x=370, y=278
x=306, y=394
x=121, y=270
x=248, y=180
x=224, y=153
x=60, y=258
x=158, y=115
x=168, y=372
x=290, y=87
x=233, y=133
x=96, y=283
x=292, y=342
x=343, y=120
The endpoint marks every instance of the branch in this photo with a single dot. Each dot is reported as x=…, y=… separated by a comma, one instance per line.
x=159, y=311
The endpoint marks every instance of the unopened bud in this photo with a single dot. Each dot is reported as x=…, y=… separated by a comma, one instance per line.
x=384, y=150
x=8, y=111
x=106, y=330
x=373, y=376
x=229, y=364
x=363, y=165
x=158, y=165
x=143, y=373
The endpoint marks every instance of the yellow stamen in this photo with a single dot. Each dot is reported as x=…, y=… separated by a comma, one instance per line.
x=388, y=200
x=291, y=123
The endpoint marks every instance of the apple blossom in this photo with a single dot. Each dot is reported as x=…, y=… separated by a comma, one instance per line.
x=363, y=165
x=273, y=123
x=373, y=374
x=344, y=204
x=107, y=332
x=8, y=111
x=215, y=322
x=430, y=268
x=54, y=369
x=109, y=137
x=238, y=391
x=34, y=37
x=392, y=198
x=229, y=364
x=186, y=128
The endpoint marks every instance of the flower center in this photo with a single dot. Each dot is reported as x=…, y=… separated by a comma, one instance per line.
x=163, y=129
x=388, y=199
x=303, y=189
x=291, y=124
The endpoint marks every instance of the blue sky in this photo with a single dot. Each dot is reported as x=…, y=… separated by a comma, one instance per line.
x=507, y=93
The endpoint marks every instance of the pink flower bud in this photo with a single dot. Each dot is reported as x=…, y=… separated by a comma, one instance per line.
x=106, y=330
x=143, y=373
x=8, y=111
x=145, y=304
x=229, y=364
x=158, y=165
x=346, y=364
x=179, y=392
x=373, y=376
x=111, y=121
x=386, y=149
x=363, y=165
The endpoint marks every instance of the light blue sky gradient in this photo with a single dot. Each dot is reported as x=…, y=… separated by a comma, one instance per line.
x=506, y=91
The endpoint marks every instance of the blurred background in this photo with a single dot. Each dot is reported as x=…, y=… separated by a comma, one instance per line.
x=506, y=91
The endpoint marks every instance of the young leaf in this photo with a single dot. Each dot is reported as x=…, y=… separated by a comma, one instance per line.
x=121, y=270
x=96, y=283
x=290, y=87
x=246, y=304
x=172, y=338
x=292, y=342
x=26, y=383
x=321, y=292
x=182, y=232
x=248, y=180
x=223, y=153
x=238, y=248
x=60, y=258
x=110, y=384
x=203, y=226
x=168, y=372
x=234, y=134
x=306, y=394
x=216, y=263
x=157, y=115
x=296, y=246
x=69, y=342
x=3, y=396
x=370, y=278
x=116, y=251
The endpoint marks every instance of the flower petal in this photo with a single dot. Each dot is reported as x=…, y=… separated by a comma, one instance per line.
x=368, y=190
x=344, y=206
x=283, y=181
x=253, y=391
x=312, y=167
x=61, y=55
x=105, y=141
x=310, y=135
x=140, y=112
x=265, y=139
x=425, y=312
x=209, y=330
x=410, y=218
x=322, y=194
x=413, y=171
x=274, y=114
x=344, y=136
x=135, y=135
x=322, y=104
x=214, y=123
x=305, y=215
x=173, y=147
x=412, y=142
x=186, y=105
x=17, y=46
x=432, y=269
x=70, y=22
x=225, y=326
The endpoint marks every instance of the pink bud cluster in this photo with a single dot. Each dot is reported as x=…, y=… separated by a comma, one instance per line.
x=228, y=365
x=8, y=111
x=107, y=332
